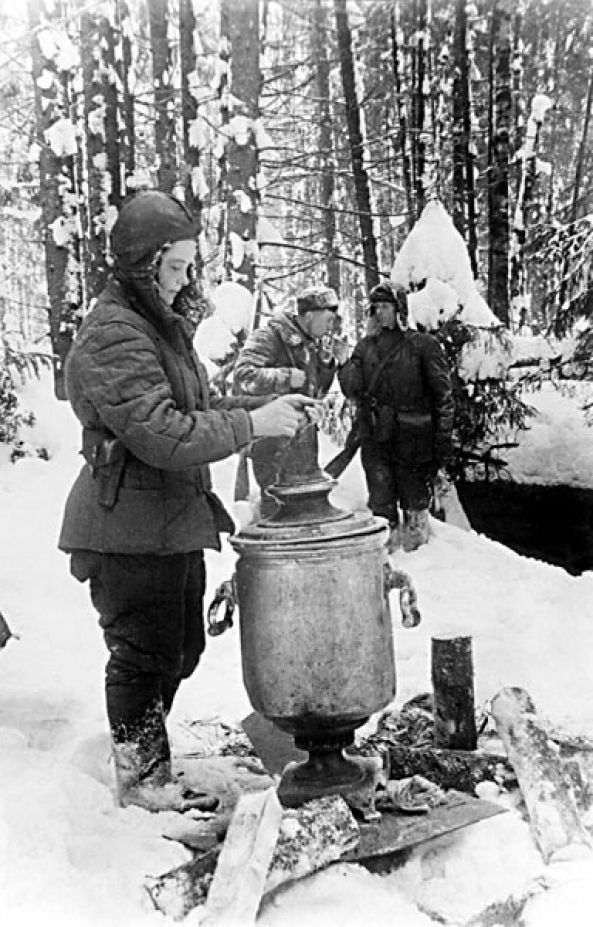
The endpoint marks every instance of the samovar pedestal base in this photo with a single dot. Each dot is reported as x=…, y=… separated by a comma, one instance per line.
x=332, y=773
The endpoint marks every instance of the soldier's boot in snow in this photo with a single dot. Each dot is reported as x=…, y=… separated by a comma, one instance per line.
x=154, y=787
x=416, y=529
x=394, y=539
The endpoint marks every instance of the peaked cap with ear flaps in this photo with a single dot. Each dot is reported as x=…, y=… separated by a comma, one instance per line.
x=147, y=221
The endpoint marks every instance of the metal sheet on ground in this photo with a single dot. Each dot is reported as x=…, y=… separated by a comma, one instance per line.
x=274, y=747
x=397, y=831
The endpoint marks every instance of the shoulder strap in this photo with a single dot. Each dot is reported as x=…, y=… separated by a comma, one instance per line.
x=381, y=366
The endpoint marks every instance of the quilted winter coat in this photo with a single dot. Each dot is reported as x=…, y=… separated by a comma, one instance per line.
x=134, y=380
x=410, y=405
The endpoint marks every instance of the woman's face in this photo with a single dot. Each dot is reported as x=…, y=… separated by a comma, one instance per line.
x=174, y=268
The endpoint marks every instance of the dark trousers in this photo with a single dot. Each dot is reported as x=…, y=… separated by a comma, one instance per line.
x=389, y=482
x=151, y=613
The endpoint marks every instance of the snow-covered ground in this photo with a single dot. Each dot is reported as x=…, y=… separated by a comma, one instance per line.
x=69, y=857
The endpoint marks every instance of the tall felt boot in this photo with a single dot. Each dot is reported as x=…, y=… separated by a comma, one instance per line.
x=143, y=774
x=416, y=529
x=156, y=789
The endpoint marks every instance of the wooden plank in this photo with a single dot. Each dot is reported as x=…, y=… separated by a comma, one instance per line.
x=553, y=815
x=238, y=884
x=310, y=838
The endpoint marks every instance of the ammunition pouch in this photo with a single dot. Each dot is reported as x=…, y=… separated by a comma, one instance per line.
x=377, y=422
x=106, y=456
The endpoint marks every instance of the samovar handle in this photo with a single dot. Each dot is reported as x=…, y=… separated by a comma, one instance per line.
x=225, y=593
x=397, y=579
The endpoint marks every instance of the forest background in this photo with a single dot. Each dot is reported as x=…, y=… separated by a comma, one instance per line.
x=307, y=137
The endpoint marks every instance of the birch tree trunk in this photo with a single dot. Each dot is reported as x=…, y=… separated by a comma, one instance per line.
x=498, y=162
x=163, y=94
x=361, y=179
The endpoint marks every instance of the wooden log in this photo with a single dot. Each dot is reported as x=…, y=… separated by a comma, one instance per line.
x=453, y=691
x=546, y=789
x=310, y=837
x=450, y=769
x=238, y=884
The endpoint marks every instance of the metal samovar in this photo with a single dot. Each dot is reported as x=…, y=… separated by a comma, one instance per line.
x=316, y=632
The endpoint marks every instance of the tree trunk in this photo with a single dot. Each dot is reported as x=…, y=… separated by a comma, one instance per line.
x=240, y=29
x=458, y=127
x=126, y=102
x=163, y=95
x=517, y=258
x=463, y=150
x=95, y=67
x=361, y=180
x=58, y=196
x=453, y=688
x=326, y=159
x=419, y=107
x=499, y=159
x=576, y=193
x=189, y=109
x=402, y=114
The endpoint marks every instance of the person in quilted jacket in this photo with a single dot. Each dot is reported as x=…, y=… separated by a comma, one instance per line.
x=142, y=510
x=401, y=383
x=291, y=353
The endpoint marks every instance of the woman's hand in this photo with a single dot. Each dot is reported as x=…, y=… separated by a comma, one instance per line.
x=282, y=416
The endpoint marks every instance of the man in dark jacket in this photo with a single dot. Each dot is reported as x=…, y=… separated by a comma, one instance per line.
x=289, y=354
x=401, y=383
x=142, y=509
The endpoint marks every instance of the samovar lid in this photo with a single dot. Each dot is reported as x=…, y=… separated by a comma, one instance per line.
x=268, y=532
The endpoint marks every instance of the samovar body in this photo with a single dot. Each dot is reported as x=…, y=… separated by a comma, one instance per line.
x=316, y=633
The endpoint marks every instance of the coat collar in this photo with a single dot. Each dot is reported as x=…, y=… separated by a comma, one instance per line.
x=287, y=327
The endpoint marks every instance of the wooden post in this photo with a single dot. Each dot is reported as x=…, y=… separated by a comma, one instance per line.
x=546, y=790
x=238, y=884
x=453, y=691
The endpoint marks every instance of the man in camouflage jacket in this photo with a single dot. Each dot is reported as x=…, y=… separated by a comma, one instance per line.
x=288, y=356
